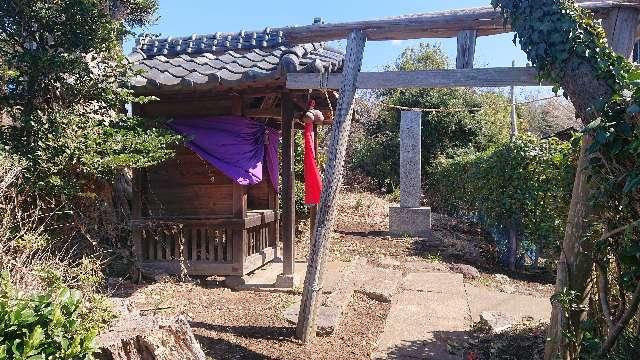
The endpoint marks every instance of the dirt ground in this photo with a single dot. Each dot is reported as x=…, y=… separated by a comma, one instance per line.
x=250, y=325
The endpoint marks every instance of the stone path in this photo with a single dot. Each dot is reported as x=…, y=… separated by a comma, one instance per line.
x=428, y=318
x=517, y=306
x=337, y=290
x=431, y=309
x=377, y=283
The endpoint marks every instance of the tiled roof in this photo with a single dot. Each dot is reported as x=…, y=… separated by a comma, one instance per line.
x=225, y=60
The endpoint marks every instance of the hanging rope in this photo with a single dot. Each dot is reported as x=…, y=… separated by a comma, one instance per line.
x=470, y=109
x=326, y=95
x=474, y=109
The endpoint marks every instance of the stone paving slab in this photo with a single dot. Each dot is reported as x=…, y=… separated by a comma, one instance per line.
x=337, y=290
x=518, y=306
x=379, y=284
x=428, y=318
x=265, y=278
x=434, y=282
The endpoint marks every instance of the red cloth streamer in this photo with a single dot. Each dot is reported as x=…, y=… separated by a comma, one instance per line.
x=312, y=181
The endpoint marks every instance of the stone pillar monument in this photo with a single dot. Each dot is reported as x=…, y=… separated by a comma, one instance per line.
x=410, y=218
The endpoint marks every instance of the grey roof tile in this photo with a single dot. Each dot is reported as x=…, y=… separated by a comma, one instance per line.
x=225, y=59
x=228, y=77
x=178, y=71
x=253, y=56
x=196, y=78
x=272, y=59
x=244, y=62
x=235, y=68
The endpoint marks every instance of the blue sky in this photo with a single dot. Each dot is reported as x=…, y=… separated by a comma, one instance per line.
x=186, y=17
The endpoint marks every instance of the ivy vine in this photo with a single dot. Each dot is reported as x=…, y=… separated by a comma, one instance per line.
x=559, y=37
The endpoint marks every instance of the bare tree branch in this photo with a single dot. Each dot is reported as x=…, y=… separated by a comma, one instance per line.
x=615, y=332
x=611, y=233
x=622, y=299
x=603, y=288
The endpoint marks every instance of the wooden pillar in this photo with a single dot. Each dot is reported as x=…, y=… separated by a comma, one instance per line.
x=236, y=105
x=239, y=235
x=136, y=201
x=514, y=114
x=288, y=188
x=239, y=201
x=275, y=235
x=621, y=27
x=466, y=49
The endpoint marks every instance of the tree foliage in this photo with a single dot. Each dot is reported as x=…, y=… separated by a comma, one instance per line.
x=63, y=88
x=469, y=119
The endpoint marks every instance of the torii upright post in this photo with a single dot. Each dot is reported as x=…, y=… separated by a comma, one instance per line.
x=331, y=182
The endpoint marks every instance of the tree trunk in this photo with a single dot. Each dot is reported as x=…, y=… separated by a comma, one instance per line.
x=513, y=247
x=146, y=337
x=576, y=263
x=574, y=269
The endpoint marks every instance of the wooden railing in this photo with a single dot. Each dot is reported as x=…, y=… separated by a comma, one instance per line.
x=215, y=246
x=193, y=243
x=259, y=238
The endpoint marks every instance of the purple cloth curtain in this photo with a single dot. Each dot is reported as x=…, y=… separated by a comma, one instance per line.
x=235, y=145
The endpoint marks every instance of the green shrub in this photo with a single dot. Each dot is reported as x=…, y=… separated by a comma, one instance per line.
x=50, y=325
x=478, y=122
x=525, y=184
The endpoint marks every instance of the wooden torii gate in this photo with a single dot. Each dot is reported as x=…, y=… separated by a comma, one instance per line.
x=620, y=19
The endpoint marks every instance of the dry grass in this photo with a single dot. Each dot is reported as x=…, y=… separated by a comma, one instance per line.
x=33, y=259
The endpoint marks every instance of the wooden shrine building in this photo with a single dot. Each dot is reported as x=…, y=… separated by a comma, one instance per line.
x=225, y=228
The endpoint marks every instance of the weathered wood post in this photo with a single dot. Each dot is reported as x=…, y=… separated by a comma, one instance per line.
x=512, y=230
x=330, y=186
x=466, y=49
x=287, y=279
x=620, y=27
x=410, y=218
